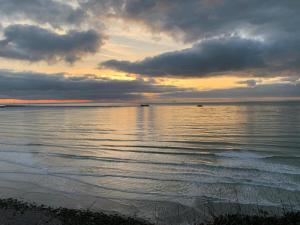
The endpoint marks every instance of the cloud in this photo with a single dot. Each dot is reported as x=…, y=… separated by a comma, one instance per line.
x=278, y=90
x=291, y=79
x=40, y=86
x=216, y=56
x=203, y=59
x=53, y=12
x=192, y=20
x=32, y=43
x=241, y=37
x=271, y=25
x=249, y=83
x=30, y=85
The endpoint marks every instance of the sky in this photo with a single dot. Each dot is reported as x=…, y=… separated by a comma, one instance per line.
x=148, y=50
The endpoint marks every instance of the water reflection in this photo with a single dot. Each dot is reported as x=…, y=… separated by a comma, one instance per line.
x=158, y=153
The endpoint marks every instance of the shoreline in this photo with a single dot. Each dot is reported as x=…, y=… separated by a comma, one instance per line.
x=15, y=212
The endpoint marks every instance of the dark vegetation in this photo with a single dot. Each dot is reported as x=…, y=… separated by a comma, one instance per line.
x=69, y=216
x=286, y=219
x=86, y=217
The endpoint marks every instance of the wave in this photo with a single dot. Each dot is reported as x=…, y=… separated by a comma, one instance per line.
x=241, y=155
x=200, y=164
x=158, y=154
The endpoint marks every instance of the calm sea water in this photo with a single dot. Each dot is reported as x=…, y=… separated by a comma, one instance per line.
x=131, y=159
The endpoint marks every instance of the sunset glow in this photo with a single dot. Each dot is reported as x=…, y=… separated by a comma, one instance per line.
x=113, y=44
x=149, y=112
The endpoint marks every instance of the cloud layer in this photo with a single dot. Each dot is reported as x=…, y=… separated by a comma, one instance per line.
x=203, y=59
x=211, y=57
x=243, y=38
x=55, y=13
x=32, y=43
x=226, y=35
x=192, y=20
x=30, y=85
x=237, y=36
x=39, y=86
x=286, y=90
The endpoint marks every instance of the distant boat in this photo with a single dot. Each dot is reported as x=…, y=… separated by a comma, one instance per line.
x=144, y=105
x=199, y=105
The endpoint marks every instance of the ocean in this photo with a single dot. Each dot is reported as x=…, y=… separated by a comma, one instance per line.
x=154, y=162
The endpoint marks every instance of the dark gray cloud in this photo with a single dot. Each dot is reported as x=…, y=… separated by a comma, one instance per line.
x=245, y=38
x=30, y=85
x=275, y=22
x=233, y=36
x=268, y=90
x=55, y=13
x=197, y=19
x=32, y=43
x=210, y=56
x=216, y=56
